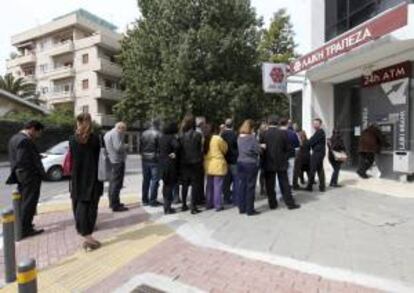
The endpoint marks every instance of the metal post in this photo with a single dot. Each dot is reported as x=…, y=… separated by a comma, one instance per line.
x=9, y=249
x=17, y=200
x=27, y=276
x=290, y=106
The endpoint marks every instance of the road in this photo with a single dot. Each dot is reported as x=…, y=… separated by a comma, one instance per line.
x=52, y=189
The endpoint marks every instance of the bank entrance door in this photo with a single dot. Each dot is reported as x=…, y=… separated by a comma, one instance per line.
x=348, y=117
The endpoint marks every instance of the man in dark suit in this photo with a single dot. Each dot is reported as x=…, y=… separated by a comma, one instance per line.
x=318, y=145
x=27, y=172
x=277, y=148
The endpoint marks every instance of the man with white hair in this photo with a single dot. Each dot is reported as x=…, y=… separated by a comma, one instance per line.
x=115, y=146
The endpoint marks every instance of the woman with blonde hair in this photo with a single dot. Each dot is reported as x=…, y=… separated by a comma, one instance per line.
x=215, y=166
x=85, y=188
x=247, y=167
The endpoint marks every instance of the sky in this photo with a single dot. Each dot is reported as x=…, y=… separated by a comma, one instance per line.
x=21, y=15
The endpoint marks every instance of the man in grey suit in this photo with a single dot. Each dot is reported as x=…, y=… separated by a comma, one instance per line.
x=115, y=146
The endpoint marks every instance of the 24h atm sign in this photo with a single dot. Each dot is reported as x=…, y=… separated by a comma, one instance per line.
x=371, y=30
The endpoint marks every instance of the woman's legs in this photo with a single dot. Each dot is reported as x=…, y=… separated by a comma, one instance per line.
x=218, y=190
x=251, y=188
x=335, y=174
x=241, y=189
x=86, y=213
x=210, y=191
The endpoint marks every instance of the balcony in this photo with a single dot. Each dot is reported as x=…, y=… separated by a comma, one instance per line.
x=61, y=48
x=30, y=78
x=107, y=67
x=108, y=93
x=60, y=72
x=61, y=97
x=105, y=41
x=105, y=119
x=22, y=60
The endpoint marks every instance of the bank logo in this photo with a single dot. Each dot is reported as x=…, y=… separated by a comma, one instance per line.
x=396, y=91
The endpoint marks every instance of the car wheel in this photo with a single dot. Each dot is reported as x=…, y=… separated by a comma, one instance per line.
x=55, y=173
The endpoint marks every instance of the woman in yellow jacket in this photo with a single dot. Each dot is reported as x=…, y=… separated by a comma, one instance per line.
x=215, y=166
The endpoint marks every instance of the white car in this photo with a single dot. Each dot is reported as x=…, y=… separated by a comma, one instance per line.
x=53, y=159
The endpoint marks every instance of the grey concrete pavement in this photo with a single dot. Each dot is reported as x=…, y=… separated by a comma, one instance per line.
x=357, y=231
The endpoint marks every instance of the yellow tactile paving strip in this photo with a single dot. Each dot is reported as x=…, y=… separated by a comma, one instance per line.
x=82, y=270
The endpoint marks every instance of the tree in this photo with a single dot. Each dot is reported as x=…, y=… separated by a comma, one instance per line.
x=277, y=46
x=191, y=55
x=17, y=86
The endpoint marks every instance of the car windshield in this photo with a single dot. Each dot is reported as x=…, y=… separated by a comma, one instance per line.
x=59, y=149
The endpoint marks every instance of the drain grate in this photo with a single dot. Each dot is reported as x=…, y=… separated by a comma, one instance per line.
x=146, y=289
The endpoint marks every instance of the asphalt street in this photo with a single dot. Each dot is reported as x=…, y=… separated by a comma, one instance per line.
x=52, y=189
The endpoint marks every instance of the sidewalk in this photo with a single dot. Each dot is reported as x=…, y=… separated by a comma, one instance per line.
x=345, y=240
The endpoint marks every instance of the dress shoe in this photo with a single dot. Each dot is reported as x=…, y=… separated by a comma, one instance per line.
x=145, y=203
x=309, y=188
x=294, y=207
x=155, y=204
x=362, y=175
x=322, y=189
x=254, y=213
x=335, y=185
x=120, y=209
x=296, y=187
x=195, y=211
x=170, y=211
x=184, y=208
x=32, y=232
x=242, y=212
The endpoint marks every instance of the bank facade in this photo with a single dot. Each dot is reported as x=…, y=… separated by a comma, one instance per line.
x=359, y=72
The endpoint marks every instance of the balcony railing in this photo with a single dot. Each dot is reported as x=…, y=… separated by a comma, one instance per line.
x=61, y=48
x=61, y=96
x=108, y=93
x=107, y=67
x=22, y=60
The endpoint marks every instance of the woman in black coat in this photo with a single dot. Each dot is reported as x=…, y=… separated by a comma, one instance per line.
x=85, y=188
x=168, y=164
x=302, y=161
x=335, y=144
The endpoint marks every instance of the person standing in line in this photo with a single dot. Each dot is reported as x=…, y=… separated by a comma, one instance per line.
x=85, y=188
x=115, y=146
x=201, y=127
x=370, y=143
x=215, y=167
x=335, y=144
x=262, y=181
x=27, y=172
x=150, y=149
x=302, y=161
x=230, y=137
x=191, y=163
x=169, y=148
x=277, y=148
x=247, y=168
x=318, y=145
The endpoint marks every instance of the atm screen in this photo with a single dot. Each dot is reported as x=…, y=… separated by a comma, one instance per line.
x=388, y=134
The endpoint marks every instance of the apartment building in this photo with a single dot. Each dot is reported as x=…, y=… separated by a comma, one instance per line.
x=72, y=61
x=359, y=72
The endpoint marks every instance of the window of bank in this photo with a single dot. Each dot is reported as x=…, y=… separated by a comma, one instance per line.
x=343, y=15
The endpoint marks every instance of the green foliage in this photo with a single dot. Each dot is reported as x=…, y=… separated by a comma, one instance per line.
x=194, y=56
x=58, y=118
x=277, y=44
x=17, y=86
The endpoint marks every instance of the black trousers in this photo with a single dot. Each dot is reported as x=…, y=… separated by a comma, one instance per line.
x=29, y=188
x=298, y=170
x=366, y=160
x=316, y=167
x=85, y=213
x=193, y=175
x=115, y=184
x=283, y=178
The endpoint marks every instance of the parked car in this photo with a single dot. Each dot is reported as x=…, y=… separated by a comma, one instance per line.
x=53, y=159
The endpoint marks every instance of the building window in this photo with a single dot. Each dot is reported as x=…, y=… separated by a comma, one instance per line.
x=85, y=58
x=343, y=15
x=43, y=68
x=85, y=109
x=85, y=84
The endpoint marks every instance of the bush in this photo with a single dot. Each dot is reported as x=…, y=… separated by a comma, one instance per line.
x=58, y=118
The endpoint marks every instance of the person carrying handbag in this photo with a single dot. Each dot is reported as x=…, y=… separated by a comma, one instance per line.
x=337, y=155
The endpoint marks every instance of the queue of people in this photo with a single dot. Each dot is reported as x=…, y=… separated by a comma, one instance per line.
x=220, y=164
